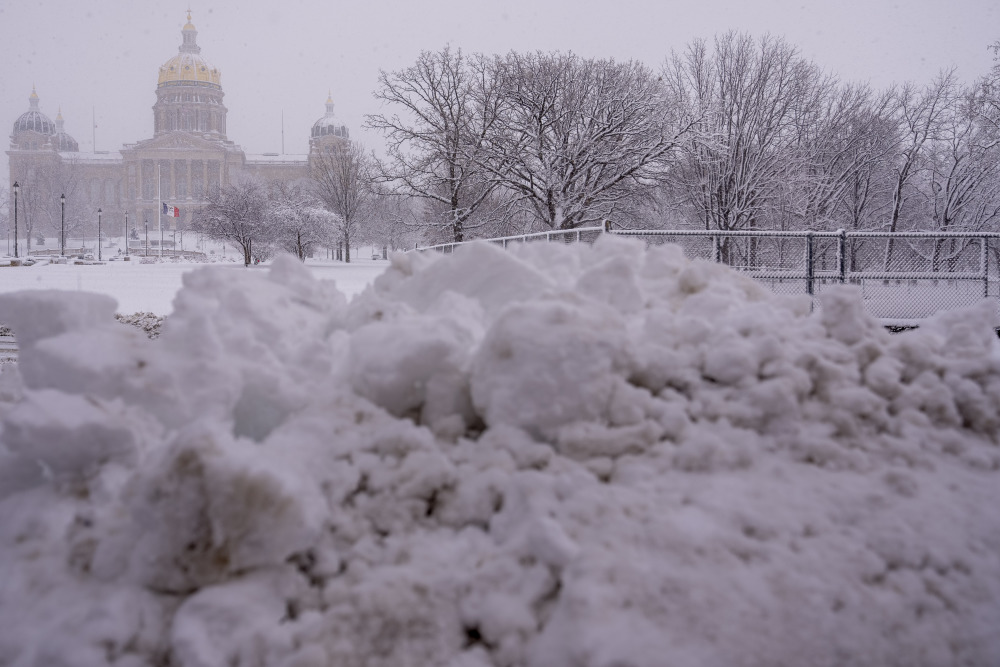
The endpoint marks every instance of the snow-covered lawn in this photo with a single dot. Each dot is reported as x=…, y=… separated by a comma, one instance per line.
x=139, y=287
x=557, y=456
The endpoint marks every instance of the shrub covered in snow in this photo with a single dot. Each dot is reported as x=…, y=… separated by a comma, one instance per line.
x=150, y=323
x=557, y=456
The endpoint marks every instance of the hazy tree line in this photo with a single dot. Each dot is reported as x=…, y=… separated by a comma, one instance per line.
x=734, y=133
x=338, y=207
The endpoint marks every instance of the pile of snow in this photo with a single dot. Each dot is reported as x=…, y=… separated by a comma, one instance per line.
x=556, y=456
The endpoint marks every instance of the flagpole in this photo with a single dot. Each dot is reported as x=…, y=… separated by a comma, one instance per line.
x=159, y=207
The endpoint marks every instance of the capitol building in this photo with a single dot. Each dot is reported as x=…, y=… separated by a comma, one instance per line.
x=189, y=150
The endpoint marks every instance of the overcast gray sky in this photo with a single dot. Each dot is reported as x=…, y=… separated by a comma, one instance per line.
x=102, y=56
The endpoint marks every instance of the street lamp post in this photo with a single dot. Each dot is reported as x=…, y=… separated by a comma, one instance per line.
x=98, y=235
x=147, y=238
x=16, y=188
x=126, y=233
x=62, y=225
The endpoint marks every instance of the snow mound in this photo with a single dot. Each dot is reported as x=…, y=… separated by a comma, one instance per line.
x=555, y=456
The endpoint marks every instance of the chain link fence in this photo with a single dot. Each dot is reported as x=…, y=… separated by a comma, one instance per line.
x=903, y=276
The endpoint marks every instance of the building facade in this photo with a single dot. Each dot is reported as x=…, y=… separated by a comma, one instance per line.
x=188, y=157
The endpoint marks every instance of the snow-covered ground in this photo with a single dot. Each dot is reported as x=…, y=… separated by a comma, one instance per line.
x=139, y=287
x=557, y=456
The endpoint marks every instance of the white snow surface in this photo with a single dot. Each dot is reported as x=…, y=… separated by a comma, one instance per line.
x=555, y=456
x=139, y=287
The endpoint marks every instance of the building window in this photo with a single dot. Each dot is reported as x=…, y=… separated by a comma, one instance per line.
x=148, y=179
x=180, y=178
x=197, y=179
x=166, y=192
x=213, y=176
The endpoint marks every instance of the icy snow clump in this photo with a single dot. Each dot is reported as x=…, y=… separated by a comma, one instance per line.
x=558, y=456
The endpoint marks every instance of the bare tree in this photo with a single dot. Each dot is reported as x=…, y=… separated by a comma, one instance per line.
x=841, y=155
x=342, y=177
x=300, y=222
x=958, y=186
x=988, y=101
x=964, y=171
x=751, y=95
x=920, y=115
x=239, y=213
x=41, y=183
x=395, y=222
x=435, y=134
x=575, y=139
x=866, y=199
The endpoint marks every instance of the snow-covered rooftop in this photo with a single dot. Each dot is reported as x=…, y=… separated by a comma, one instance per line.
x=91, y=157
x=276, y=158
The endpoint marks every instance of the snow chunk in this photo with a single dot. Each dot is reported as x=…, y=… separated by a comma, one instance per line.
x=549, y=363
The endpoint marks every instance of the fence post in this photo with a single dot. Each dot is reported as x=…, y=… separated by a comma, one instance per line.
x=716, y=250
x=809, y=263
x=984, y=260
x=841, y=253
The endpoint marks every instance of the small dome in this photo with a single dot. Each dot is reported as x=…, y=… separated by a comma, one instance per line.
x=329, y=124
x=33, y=119
x=62, y=141
x=65, y=143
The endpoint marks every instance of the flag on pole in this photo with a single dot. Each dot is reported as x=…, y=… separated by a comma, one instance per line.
x=171, y=211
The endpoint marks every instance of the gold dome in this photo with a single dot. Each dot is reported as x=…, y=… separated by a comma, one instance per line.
x=188, y=68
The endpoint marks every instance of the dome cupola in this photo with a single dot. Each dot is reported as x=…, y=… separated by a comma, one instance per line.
x=62, y=142
x=328, y=124
x=189, y=92
x=33, y=120
x=188, y=67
